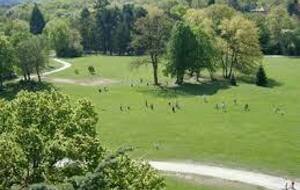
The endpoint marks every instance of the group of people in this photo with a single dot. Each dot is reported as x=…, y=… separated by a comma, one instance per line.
x=222, y=106
x=174, y=107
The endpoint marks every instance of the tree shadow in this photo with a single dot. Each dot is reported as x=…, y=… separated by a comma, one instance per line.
x=10, y=90
x=188, y=89
x=272, y=83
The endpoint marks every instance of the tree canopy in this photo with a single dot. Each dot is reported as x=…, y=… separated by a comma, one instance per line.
x=37, y=22
x=48, y=139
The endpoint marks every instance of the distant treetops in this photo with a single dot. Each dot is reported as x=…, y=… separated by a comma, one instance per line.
x=37, y=22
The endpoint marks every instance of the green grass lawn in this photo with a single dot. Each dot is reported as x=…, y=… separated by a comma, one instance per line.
x=174, y=183
x=258, y=140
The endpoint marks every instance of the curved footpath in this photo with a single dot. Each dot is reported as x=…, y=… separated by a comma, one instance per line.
x=65, y=66
x=252, y=178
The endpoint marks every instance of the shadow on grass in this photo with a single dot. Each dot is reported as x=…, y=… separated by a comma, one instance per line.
x=188, y=89
x=10, y=90
x=272, y=83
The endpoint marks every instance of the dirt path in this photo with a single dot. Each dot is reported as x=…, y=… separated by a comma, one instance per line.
x=66, y=65
x=252, y=178
x=91, y=82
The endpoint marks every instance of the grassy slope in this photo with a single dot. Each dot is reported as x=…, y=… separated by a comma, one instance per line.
x=174, y=183
x=259, y=139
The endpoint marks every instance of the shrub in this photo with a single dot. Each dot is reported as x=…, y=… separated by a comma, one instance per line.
x=261, y=77
x=92, y=70
x=76, y=71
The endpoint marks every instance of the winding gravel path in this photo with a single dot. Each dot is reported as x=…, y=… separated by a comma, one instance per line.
x=252, y=178
x=65, y=66
x=248, y=177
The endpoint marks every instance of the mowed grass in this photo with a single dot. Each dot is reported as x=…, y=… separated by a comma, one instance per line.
x=174, y=183
x=257, y=140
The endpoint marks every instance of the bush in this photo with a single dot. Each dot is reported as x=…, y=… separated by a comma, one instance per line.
x=76, y=71
x=92, y=70
x=261, y=77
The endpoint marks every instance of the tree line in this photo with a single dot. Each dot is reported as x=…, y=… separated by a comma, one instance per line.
x=23, y=49
x=216, y=36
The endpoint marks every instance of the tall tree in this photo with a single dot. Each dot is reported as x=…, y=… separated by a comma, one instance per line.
x=205, y=53
x=6, y=58
x=152, y=33
x=182, y=51
x=211, y=2
x=64, y=39
x=37, y=22
x=279, y=22
x=106, y=24
x=40, y=54
x=32, y=56
x=293, y=7
x=241, y=49
x=86, y=29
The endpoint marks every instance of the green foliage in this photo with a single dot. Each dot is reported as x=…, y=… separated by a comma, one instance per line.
x=32, y=55
x=233, y=80
x=6, y=58
x=182, y=51
x=37, y=22
x=239, y=46
x=152, y=33
x=280, y=26
x=65, y=40
x=86, y=30
x=293, y=7
x=211, y=2
x=50, y=139
x=261, y=77
x=91, y=70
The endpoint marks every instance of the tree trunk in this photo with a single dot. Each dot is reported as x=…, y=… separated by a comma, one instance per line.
x=155, y=68
x=25, y=77
x=1, y=82
x=233, y=61
x=155, y=74
x=28, y=77
x=198, y=76
x=179, y=79
x=38, y=74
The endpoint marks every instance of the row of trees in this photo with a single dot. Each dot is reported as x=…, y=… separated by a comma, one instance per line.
x=109, y=29
x=202, y=39
x=22, y=49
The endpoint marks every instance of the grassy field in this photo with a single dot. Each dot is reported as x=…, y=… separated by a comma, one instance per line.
x=174, y=183
x=258, y=140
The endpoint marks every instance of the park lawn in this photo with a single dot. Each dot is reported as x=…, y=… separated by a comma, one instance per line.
x=174, y=183
x=52, y=65
x=112, y=67
x=257, y=140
